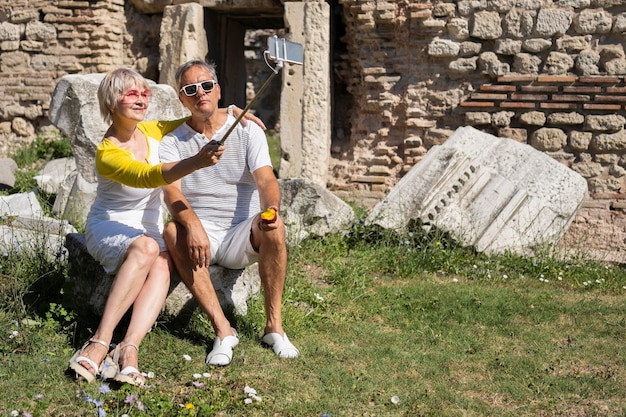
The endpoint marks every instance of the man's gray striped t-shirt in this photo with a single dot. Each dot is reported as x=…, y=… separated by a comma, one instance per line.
x=224, y=193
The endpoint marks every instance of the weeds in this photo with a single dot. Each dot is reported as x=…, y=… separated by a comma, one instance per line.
x=41, y=150
x=388, y=324
x=30, y=159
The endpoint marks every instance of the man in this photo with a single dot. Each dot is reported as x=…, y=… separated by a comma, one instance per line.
x=216, y=211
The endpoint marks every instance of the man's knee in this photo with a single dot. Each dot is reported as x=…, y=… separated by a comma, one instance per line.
x=170, y=232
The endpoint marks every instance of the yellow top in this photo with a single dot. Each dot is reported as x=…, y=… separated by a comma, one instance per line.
x=117, y=164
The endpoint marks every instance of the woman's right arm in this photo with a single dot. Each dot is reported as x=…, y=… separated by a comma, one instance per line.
x=119, y=165
x=209, y=155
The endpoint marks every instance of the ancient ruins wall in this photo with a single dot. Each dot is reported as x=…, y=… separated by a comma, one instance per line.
x=546, y=73
x=41, y=41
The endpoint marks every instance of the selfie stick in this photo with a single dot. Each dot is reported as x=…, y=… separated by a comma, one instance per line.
x=280, y=58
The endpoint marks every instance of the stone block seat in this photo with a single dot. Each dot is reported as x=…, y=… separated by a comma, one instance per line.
x=90, y=284
x=309, y=209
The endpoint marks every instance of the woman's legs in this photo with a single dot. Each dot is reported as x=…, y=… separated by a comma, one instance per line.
x=146, y=309
x=126, y=287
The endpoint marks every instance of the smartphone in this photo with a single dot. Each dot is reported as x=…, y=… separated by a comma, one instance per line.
x=283, y=50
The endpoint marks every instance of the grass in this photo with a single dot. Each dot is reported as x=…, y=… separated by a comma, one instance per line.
x=30, y=159
x=273, y=142
x=387, y=326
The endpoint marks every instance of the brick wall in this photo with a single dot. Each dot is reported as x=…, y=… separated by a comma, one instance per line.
x=41, y=41
x=550, y=75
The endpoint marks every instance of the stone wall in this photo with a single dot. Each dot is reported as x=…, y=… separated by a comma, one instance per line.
x=41, y=41
x=547, y=73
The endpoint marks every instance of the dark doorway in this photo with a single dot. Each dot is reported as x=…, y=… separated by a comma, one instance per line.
x=237, y=38
x=342, y=100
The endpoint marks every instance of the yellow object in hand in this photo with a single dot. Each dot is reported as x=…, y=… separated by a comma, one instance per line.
x=269, y=215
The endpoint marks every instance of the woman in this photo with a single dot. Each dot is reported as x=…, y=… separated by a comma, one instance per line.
x=124, y=226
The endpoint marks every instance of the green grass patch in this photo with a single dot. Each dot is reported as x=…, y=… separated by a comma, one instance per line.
x=387, y=325
x=41, y=150
x=30, y=159
x=273, y=141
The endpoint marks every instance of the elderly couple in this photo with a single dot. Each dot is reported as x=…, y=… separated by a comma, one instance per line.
x=216, y=216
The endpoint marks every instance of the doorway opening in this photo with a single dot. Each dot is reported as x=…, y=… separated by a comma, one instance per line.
x=237, y=40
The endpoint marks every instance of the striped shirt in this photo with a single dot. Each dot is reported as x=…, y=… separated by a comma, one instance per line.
x=224, y=193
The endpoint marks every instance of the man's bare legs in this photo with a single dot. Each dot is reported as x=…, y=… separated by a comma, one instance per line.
x=272, y=269
x=272, y=249
x=197, y=280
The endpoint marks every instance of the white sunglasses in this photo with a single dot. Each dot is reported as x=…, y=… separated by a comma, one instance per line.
x=192, y=89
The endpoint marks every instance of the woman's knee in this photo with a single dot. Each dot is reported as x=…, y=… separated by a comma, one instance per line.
x=146, y=247
x=162, y=268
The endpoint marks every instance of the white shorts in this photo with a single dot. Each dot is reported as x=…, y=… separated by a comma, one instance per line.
x=231, y=247
x=108, y=241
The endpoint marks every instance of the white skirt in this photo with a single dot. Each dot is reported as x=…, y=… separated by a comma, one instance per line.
x=107, y=240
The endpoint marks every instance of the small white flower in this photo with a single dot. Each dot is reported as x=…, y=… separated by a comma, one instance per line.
x=13, y=334
x=585, y=283
x=250, y=391
x=187, y=357
x=150, y=375
x=256, y=397
x=505, y=276
x=319, y=297
x=455, y=280
x=206, y=375
x=560, y=278
x=395, y=399
x=598, y=281
x=247, y=401
x=15, y=413
x=197, y=376
x=475, y=266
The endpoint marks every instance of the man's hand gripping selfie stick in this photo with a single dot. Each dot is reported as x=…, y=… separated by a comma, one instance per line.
x=279, y=51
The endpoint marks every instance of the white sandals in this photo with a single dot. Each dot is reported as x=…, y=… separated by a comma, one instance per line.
x=130, y=374
x=81, y=371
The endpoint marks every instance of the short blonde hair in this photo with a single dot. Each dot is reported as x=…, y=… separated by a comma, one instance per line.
x=113, y=85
